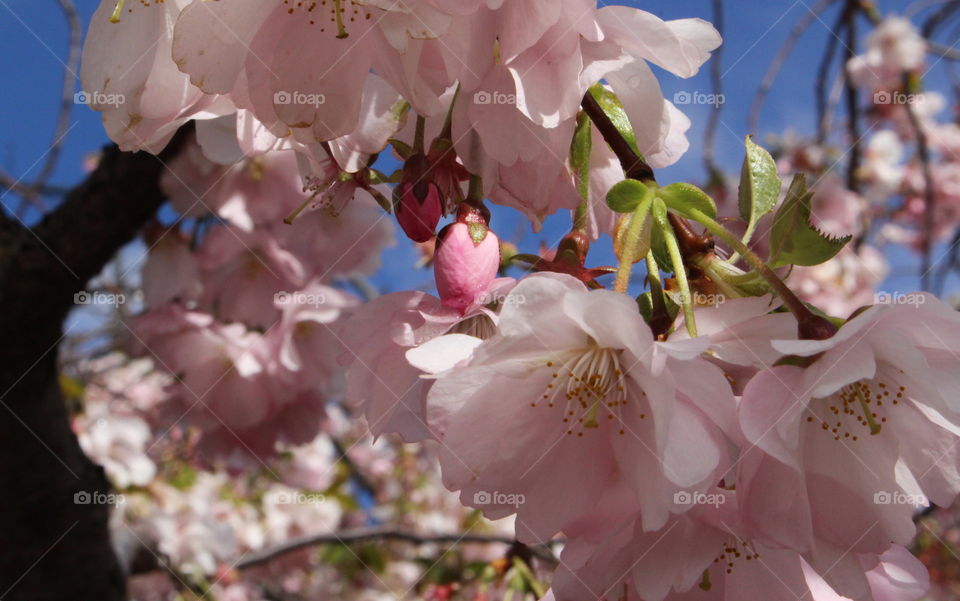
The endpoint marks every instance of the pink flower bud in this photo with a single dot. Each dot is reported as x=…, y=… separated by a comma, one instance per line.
x=465, y=264
x=418, y=208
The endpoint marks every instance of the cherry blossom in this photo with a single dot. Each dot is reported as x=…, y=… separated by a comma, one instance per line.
x=844, y=285
x=142, y=95
x=119, y=443
x=625, y=403
x=893, y=48
x=704, y=555
x=380, y=381
x=837, y=429
x=254, y=42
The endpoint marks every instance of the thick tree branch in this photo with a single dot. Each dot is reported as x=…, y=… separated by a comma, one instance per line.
x=55, y=547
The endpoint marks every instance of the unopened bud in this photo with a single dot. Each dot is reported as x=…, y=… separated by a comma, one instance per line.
x=418, y=202
x=573, y=249
x=418, y=209
x=815, y=327
x=466, y=262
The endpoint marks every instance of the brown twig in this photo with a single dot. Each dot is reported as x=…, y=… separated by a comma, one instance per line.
x=12, y=184
x=938, y=18
x=801, y=26
x=716, y=81
x=691, y=243
x=923, y=153
x=853, y=98
x=823, y=72
x=950, y=264
x=943, y=51
x=934, y=22
x=66, y=94
x=633, y=165
x=32, y=193
x=543, y=552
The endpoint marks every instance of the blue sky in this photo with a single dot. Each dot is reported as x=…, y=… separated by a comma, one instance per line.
x=33, y=40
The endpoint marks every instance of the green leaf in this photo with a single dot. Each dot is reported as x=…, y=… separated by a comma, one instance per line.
x=793, y=240
x=581, y=145
x=401, y=148
x=531, y=260
x=625, y=197
x=750, y=284
x=659, y=212
x=385, y=204
x=682, y=196
x=760, y=186
x=658, y=244
x=632, y=241
x=611, y=105
x=379, y=177
x=580, y=149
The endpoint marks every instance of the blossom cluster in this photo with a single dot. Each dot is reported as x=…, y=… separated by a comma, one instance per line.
x=710, y=462
x=252, y=298
x=237, y=69
x=713, y=437
x=205, y=525
x=888, y=200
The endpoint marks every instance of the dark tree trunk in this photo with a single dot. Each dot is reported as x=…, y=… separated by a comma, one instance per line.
x=54, y=546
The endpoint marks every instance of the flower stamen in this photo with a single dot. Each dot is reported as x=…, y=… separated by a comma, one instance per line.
x=590, y=380
x=861, y=401
x=117, y=10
